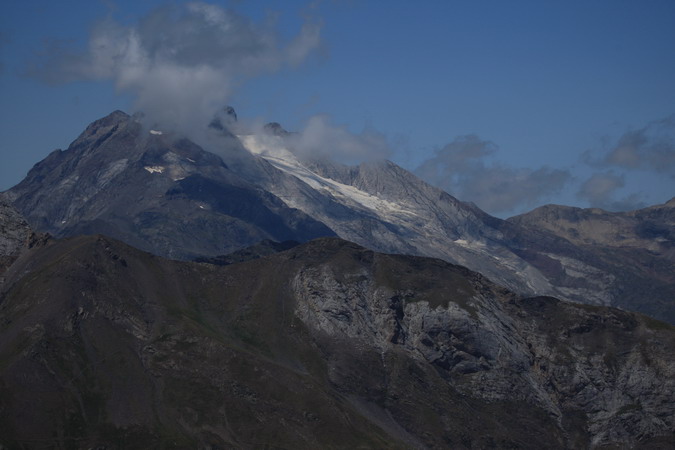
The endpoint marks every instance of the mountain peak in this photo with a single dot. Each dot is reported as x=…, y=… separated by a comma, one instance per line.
x=275, y=129
x=223, y=119
x=111, y=119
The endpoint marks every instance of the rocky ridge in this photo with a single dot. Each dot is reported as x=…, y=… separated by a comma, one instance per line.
x=651, y=229
x=635, y=248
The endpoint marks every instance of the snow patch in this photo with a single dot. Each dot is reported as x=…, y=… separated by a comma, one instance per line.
x=154, y=169
x=156, y=132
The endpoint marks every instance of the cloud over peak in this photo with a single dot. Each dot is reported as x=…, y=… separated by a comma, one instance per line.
x=180, y=62
x=321, y=138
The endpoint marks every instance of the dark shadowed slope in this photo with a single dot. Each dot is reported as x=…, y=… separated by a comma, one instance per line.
x=326, y=345
x=262, y=248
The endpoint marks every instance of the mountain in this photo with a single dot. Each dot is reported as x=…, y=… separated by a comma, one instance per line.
x=651, y=229
x=636, y=249
x=165, y=194
x=154, y=190
x=384, y=207
x=324, y=345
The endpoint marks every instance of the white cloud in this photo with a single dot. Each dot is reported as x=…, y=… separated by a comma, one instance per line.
x=181, y=62
x=320, y=138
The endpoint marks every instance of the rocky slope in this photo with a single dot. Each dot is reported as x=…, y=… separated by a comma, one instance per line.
x=636, y=248
x=325, y=345
x=16, y=236
x=651, y=229
x=14, y=231
x=386, y=208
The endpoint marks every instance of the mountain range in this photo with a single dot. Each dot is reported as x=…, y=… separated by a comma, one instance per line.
x=161, y=192
x=157, y=293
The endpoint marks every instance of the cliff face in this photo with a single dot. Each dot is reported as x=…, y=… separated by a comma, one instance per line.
x=568, y=360
x=16, y=236
x=323, y=345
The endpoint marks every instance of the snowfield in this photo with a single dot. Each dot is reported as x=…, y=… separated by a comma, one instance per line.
x=272, y=149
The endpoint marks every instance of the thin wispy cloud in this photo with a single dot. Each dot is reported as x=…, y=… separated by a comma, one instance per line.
x=182, y=62
x=461, y=169
x=321, y=138
x=601, y=191
x=651, y=148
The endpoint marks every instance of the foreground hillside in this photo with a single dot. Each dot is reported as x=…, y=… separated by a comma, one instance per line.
x=324, y=345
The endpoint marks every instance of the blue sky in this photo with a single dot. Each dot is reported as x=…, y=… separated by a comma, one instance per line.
x=508, y=104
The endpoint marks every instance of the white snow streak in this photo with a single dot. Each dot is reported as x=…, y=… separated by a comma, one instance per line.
x=271, y=148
